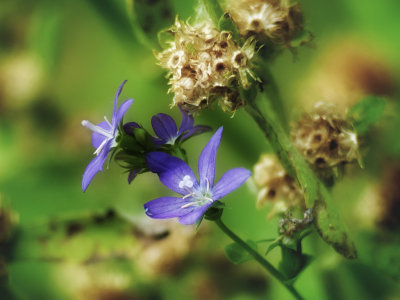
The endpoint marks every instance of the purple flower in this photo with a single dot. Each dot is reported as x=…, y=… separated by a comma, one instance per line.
x=197, y=195
x=167, y=132
x=104, y=138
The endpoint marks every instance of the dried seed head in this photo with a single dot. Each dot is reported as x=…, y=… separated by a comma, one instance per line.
x=325, y=137
x=274, y=20
x=205, y=65
x=275, y=185
x=290, y=226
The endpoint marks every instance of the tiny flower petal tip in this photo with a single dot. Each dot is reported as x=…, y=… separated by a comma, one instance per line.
x=104, y=138
x=197, y=195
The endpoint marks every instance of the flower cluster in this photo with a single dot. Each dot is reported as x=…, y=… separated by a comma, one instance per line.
x=325, y=137
x=273, y=20
x=131, y=142
x=275, y=185
x=204, y=65
x=141, y=152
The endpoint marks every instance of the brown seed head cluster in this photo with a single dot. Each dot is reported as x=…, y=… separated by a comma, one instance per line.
x=204, y=65
x=325, y=137
x=276, y=20
x=275, y=185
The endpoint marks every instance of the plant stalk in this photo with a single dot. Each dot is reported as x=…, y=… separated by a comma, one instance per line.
x=260, y=259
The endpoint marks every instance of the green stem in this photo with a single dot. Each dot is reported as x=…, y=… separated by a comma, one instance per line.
x=275, y=135
x=261, y=260
x=272, y=92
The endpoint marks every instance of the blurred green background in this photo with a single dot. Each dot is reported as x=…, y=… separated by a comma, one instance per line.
x=62, y=61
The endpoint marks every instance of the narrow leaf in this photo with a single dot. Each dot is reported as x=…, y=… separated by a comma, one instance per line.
x=236, y=254
x=366, y=113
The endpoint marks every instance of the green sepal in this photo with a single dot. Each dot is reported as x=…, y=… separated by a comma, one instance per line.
x=198, y=222
x=130, y=161
x=143, y=138
x=236, y=254
x=215, y=211
x=366, y=113
x=128, y=142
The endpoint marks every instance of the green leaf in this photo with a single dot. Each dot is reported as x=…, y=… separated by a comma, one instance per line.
x=331, y=227
x=226, y=23
x=366, y=113
x=293, y=262
x=213, y=10
x=236, y=254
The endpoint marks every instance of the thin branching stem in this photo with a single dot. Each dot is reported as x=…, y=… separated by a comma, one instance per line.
x=260, y=259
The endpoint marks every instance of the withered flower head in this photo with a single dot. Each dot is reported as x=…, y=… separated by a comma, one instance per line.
x=275, y=185
x=274, y=20
x=204, y=65
x=325, y=137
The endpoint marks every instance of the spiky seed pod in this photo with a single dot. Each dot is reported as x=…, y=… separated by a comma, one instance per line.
x=274, y=20
x=275, y=185
x=325, y=137
x=204, y=65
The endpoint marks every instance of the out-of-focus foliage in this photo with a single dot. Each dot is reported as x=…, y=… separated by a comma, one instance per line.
x=60, y=63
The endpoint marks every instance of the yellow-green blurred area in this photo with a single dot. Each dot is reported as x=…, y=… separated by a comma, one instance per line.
x=62, y=61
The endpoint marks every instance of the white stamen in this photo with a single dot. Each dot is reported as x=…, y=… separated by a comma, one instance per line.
x=199, y=197
x=188, y=204
x=97, y=129
x=98, y=150
x=108, y=134
x=108, y=122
